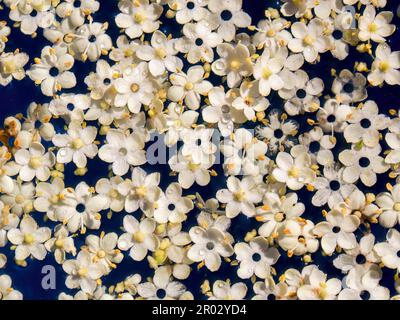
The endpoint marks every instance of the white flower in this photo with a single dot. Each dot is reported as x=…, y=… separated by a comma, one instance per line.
x=108, y=189
x=191, y=171
x=122, y=151
x=31, y=19
x=255, y=258
x=138, y=17
x=309, y=39
x=29, y=239
x=189, y=87
x=362, y=255
x=393, y=140
x=333, y=116
x=34, y=162
x=295, y=172
x=338, y=229
x=384, y=68
x=197, y=144
x=375, y=27
x=297, y=238
x=82, y=272
x=349, y=87
x=139, y=237
x=389, y=250
x=363, y=284
x=51, y=71
x=209, y=245
x=6, y=291
x=19, y=199
x=12, y=66
x=188, y=10
x=172, y=207
x=76, y=145
x=331, y=188
x=160, y=54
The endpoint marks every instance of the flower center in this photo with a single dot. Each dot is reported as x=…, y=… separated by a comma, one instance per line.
x=396, y=206
x=161, y=293
x=101, y=254
x=256, y=257
x=266, y=72
x=373, y=27
x=138, y=236
x=59, y=243
x=35, y=162
x=210, y=245
x=83, y=272
x=139, y=17
x=161, y=53
x=308, y=40
x=189, y=86
x=301, y=93
x=360, y=259
x=171, y=207
x=294, y=172
x=279, y=217
x=80, y=208
x=238, y=196
x=334, y=185
x=365, y=123
x=364, y=162
x=226, y=15
x=122, y=151
x=278, y=133
x=384, y=66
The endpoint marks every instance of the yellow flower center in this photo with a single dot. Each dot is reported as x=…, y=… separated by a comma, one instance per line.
x=29, y=239
x=135, y=88
x=308, y=40
x=77, y=143
x=397, y=206
x=35, y=162
x=113, y=193
x=138, y=236
x=83, y=272
x=271, y=33
x=9, y=67
x=141, y=191
x=193, y=166
x=19, y=199
x=279, y=217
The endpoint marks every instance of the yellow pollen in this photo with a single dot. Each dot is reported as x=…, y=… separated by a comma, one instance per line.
x=77, y=143
x=35, y=162
x=141, y=191
x=384, y=66
x=294, y=172
x=138, y=236
x=59, y=243
x=396, y=206
x=373, y=27
x=83, y=272
x=266, y=73
x=235, y=64
x=134, y=87
x=9, y=66
x=308, y=40
x=29, y=239
x=139, y=17
x=101, y=254
x=189, y=86
x=279, y=217
x=271, y=33
x=19, y=199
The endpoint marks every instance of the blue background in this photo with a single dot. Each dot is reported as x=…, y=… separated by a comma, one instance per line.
x=16, y=97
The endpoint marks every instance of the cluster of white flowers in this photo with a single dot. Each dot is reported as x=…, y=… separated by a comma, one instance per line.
x=297, y=166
